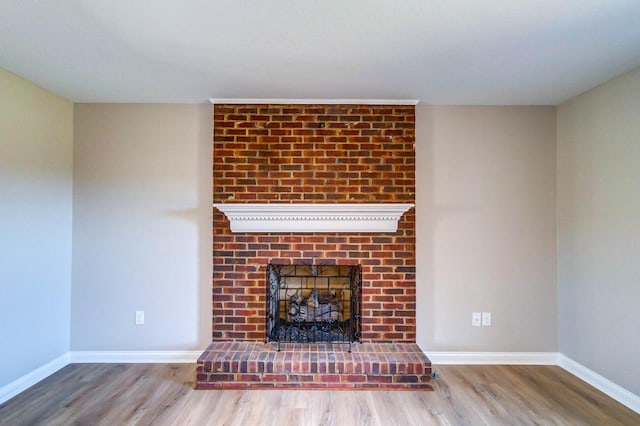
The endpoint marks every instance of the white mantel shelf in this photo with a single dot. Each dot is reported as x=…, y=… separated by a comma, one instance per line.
x=279, y=218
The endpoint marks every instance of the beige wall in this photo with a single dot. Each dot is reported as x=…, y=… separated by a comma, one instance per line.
x=486, y=230
x=486, y=227
x=36, y=131
x=141, y=227
x=599, y=229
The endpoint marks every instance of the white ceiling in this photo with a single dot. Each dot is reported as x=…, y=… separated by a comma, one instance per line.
x=438, y=51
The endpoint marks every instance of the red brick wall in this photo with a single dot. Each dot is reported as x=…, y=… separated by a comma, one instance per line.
x=314, y=154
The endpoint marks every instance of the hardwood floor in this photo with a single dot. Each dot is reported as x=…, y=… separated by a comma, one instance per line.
x=162, y=394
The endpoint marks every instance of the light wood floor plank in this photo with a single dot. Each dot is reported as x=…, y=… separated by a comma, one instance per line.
x=162, y=394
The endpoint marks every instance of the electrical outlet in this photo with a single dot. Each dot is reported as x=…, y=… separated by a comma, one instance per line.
x=476, y=319
x=139, y=318
x=486, y=319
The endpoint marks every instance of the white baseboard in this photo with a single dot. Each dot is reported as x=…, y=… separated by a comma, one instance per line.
x=606, y=386
x=134, y=357
x=493, y=358
x=79, y=357
x=25, y=382
x=601, y=383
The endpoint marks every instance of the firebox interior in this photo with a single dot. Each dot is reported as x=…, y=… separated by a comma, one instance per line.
x=313, y=303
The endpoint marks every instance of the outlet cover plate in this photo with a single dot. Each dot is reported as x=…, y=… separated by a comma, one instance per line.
x=139, y=318
x=476, y=319
x=486, y=319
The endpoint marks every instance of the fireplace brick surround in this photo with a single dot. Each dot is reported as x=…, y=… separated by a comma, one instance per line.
x=313, y=154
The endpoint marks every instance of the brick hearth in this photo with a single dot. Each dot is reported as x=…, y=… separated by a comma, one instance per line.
x=248, y=365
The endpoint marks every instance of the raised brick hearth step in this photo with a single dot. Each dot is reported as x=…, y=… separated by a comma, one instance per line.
x=243, y=365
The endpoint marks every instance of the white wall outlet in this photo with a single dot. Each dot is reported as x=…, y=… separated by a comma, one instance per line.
x=139, y=318
x=486, y=319
x=476, y=319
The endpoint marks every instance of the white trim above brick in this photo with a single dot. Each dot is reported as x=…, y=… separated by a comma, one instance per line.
x=260, y=101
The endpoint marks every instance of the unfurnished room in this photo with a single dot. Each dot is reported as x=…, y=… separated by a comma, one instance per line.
x=320, y=213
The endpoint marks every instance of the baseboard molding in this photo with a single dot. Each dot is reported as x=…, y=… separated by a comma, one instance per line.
x=493, y=358
x=601, y=383
x=604, y=385
x=25, y=382
x=134, y=357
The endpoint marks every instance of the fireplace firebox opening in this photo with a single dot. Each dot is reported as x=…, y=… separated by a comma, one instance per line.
x=311, y=303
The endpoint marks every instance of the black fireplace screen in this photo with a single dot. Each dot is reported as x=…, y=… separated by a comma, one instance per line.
x=313, y=303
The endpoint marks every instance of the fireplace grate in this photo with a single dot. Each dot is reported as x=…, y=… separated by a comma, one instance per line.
x=313, y=303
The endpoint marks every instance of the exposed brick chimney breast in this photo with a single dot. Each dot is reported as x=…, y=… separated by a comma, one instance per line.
x=314, y=154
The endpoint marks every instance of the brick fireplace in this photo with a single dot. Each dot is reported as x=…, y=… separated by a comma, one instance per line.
x=313, y=154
